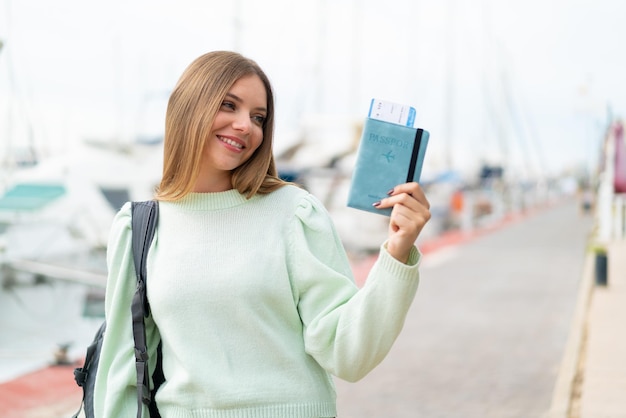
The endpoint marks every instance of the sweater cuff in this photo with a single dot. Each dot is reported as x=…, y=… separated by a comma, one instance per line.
x=397, y=267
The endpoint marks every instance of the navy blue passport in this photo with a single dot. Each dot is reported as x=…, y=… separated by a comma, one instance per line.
x=389, y=154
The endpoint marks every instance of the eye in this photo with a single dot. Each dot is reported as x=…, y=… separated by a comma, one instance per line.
x=228, y=105
x=259, y=119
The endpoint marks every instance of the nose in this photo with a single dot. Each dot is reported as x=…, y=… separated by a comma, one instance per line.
x=242, y=122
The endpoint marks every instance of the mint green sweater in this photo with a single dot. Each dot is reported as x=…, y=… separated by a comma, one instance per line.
x=256, y=306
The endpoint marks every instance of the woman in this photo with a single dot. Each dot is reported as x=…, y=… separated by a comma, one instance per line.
x=250, y=289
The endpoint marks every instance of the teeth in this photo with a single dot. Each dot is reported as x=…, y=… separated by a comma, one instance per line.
x=231, y=142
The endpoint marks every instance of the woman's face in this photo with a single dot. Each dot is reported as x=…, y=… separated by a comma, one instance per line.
x=236, y=132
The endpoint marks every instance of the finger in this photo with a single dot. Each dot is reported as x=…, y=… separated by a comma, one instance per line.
x=411, y=210
x=412, y=197
x=412, y=189
x=402, y=199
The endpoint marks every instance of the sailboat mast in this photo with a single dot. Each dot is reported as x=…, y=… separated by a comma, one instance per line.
x=237, y=26
x=7, y=161
x=4, y=157
x=449, y=84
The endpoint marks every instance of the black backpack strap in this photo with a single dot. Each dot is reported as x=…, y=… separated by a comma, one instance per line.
x=144, y=220
x=85, y=376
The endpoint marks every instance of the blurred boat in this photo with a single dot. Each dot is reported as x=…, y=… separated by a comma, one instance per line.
x=55, y=215
x=321, y=158
x=55, y=218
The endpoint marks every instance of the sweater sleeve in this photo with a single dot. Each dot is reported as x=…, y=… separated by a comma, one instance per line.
x=349, y=331
x=116, y=382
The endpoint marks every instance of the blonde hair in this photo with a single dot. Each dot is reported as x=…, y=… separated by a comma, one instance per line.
x=191, y=110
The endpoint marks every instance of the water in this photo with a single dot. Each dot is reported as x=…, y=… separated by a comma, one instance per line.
x=37, y=319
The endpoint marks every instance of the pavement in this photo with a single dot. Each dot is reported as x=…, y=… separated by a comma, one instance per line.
x=600, y=391
x=491, y=321
x=565, y=343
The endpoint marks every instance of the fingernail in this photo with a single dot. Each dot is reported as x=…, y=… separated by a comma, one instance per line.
x=390, y=192
x=376, y=204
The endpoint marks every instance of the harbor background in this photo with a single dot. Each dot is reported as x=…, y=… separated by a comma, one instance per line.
x=515, y=83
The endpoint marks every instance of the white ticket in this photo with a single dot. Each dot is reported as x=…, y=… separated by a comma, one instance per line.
x=392, y=112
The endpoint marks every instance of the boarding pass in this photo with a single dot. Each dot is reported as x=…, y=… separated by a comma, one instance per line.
x=392, y=112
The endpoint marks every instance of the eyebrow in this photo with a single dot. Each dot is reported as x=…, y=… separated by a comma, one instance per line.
x=238, y=99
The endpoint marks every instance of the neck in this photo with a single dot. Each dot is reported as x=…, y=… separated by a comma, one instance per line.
x=213, y=184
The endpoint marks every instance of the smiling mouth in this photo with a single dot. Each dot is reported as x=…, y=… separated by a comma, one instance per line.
x=230, y=142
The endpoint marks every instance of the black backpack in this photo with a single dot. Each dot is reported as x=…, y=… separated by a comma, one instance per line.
x=144, y=220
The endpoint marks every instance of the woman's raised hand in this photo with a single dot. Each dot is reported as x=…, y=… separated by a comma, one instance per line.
x=410, y=213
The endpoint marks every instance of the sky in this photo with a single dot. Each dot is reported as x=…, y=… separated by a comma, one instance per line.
x=530, y=85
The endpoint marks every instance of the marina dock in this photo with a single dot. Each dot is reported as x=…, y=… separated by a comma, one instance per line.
x=508, y=324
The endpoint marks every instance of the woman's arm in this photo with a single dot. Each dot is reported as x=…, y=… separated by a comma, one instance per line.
x=347, y=330
x=116, y=381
